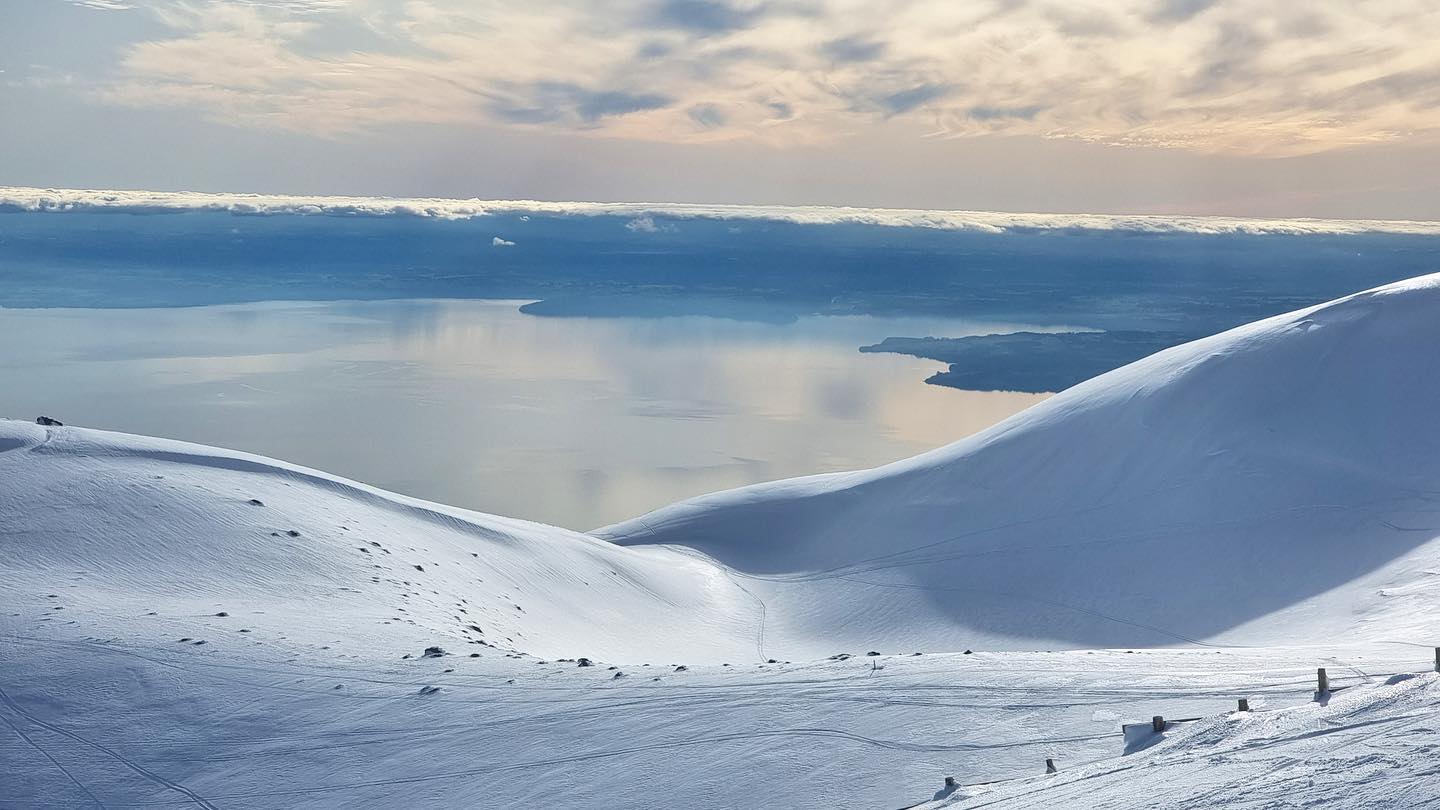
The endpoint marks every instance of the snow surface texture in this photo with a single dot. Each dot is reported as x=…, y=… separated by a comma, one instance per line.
x=1358, y=749
x=157, y=522
x=148, y=202
x=186, y=625
x=1276, y=483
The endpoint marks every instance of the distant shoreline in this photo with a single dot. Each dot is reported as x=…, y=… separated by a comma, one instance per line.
x=1029, y=362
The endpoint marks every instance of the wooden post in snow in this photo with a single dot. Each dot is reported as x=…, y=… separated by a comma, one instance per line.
x=1322, y=682
x=1437, y=659
x=1157, y=724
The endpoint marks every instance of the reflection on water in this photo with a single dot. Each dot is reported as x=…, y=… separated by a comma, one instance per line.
x=578, y=422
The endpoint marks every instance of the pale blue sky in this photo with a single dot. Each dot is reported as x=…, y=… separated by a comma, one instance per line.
x=1145, y=106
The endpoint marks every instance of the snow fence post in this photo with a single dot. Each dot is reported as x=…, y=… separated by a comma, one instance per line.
x=1244, y=705
x=1157, y=724
x=1322, y=683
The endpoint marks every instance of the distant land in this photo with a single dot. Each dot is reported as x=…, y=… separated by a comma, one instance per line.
x=1142, y=282
x=1033, y=362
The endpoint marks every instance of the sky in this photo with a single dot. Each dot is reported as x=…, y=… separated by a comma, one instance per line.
x=1234, y=107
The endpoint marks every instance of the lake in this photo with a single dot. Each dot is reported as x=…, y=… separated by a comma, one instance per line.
x=573, y=421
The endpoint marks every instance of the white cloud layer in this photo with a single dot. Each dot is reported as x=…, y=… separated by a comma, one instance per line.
x=21, y=199
x=1233, y=76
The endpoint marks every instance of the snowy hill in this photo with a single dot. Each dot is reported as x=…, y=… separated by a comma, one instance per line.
x=1277, y=482
x=144, y=525
x=186, y=625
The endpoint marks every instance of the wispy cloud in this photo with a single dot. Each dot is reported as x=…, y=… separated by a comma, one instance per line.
x=105, y=5
x=1239, y=76
x=549, y=102
x=707, y=116
x=911, y=98
x=699, y=16
x=853, y=49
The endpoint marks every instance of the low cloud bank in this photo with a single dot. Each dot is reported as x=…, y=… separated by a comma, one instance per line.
x=14, y=198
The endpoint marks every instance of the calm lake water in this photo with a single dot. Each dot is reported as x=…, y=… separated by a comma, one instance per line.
x=573, y=421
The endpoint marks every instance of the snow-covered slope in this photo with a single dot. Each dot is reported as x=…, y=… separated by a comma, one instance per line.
x=1359, y=748
x=1280, y=481
x=185, y=625
x=129, y=525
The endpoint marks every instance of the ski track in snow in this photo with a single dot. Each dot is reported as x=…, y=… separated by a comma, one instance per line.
x=123, y=760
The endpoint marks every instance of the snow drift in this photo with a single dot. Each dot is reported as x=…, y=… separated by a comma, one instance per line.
x=1277, y=481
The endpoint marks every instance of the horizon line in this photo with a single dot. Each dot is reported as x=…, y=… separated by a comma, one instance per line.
x=29, y=199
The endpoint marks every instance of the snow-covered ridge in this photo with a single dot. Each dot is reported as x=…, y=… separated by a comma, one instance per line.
x=172, y=526
x=15, y=198
x=1279, y=480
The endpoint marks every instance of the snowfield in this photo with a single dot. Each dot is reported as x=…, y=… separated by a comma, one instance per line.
x=1277, y=483
x=183, y=625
